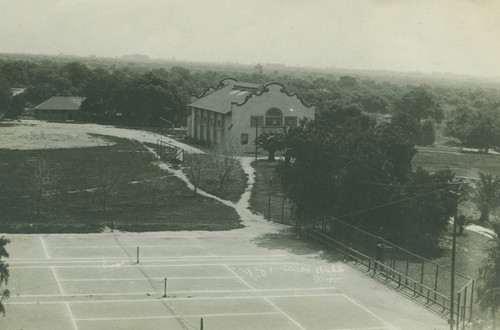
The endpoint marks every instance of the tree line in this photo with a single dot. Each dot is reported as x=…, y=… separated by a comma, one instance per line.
x=131, y=94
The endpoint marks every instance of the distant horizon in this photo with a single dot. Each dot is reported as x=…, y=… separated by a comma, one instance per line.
x=333, y=68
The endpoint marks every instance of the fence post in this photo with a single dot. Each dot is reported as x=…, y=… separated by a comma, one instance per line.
x=282, y=209
x=436, y=281
x=465, y=306
x=269, y=208
x=471, y=301
x=407, y=267
x=137, y=254
x=393, y=262
x=165, y=288
x=422, y=276
x=458, y=309
x=201, y=324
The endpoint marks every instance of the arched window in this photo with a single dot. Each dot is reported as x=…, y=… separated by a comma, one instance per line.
x=274, y=117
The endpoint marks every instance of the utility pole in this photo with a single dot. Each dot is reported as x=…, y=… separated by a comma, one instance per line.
x=451, y=321
x=257, y=122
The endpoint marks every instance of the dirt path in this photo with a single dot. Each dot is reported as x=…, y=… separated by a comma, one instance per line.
x=253, y=222
x=35, y=134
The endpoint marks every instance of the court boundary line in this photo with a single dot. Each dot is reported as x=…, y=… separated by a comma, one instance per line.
x=73, y=320
x=57, y=281
x=171, y=299
x=209, y=256
x=44, y=248
x=369, y=328
x=83, y=247
x=173, y=316
x=110, y=259
x=368, y=311
x=152, y=278
x=170, y=292
x=240, y=278
x=284, y=314
x=155, y=265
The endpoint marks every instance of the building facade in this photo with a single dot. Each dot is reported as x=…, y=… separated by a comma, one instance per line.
x=238, y=112
x=58, y=108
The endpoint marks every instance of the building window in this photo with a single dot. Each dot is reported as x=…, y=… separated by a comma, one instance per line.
x=244, y=138
x=274, y=118
x=219, y=122
x=290, y=121
x=256, y=121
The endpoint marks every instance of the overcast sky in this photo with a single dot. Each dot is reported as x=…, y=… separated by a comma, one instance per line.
x=457, y=36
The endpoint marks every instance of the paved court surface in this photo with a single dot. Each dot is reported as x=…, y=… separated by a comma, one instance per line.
x=233, y=280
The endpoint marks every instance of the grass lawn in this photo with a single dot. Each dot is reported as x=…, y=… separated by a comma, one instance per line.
x=233, y=188
x=73, y=202
x=265, y=185
x=463, y=164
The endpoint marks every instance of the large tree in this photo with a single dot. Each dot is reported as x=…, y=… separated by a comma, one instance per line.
x=271, y=142
x=486, y=195
x=225, y=157
x=343, y=165
x=338, y=149
x=195, y=165
x=416, y=105
x=5, y=96
x=138, y=99
x=106, y=179
x=420, y=103
x=42, y=178
x=474, y=127
x=489, y=279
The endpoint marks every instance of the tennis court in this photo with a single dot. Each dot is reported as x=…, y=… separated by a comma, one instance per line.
x=95, y=282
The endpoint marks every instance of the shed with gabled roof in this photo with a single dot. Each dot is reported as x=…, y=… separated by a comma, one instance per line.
x=59, y=108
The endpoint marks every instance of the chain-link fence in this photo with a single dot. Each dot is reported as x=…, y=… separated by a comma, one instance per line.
x=425, y=279
x=169, y=152
x=279, y=209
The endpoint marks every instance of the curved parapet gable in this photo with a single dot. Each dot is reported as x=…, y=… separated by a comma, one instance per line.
x=283, y=90
x=210, y=89
x=266, y=88
x=225, y=81
x=207, y=91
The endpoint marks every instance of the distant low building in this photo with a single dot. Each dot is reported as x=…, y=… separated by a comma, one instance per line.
x=59, y=108
x=238, y=112
x=16, y=91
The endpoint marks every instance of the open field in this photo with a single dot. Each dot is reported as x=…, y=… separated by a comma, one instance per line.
x=233, y=280
x=72, y=201
x=464, y=164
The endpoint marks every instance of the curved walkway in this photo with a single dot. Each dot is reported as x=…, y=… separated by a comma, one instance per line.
x=254, y=222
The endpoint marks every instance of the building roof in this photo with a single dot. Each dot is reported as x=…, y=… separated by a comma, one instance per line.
x=220, y=99
x=16, y=91
x=61, y=103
